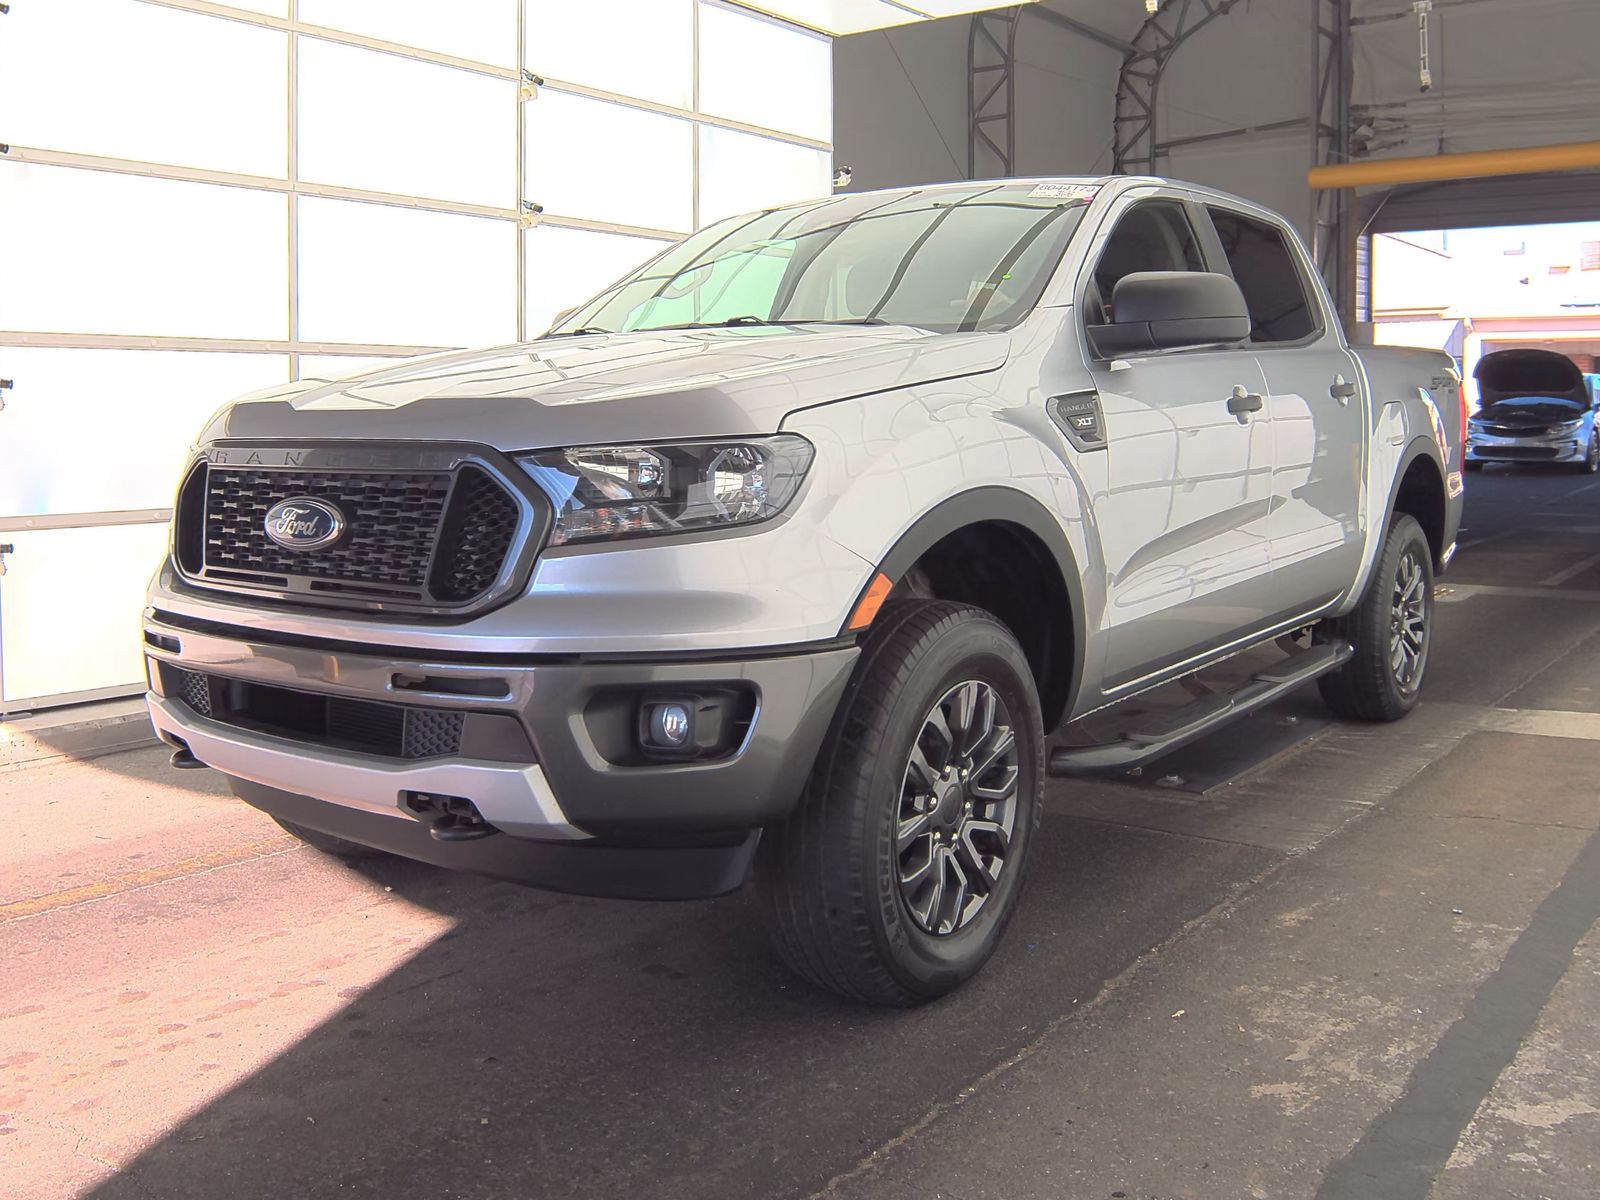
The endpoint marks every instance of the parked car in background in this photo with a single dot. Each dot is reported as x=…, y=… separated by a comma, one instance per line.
x=789, y=550
x=1535, y=406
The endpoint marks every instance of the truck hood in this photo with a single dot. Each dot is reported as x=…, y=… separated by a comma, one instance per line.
x=649, y=386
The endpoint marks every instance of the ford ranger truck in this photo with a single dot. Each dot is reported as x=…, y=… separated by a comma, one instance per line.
x=785, y=555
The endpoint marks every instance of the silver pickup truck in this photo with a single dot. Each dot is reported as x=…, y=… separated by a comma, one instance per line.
x=788, y=552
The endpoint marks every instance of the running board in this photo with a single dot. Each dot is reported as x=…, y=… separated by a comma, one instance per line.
x=1155, y=734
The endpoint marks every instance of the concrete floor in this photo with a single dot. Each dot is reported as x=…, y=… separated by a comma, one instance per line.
x=1367, y=968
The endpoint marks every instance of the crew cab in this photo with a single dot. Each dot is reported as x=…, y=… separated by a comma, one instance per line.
x=785, y=554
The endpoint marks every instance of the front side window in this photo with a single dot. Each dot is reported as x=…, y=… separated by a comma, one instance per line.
x=945, y=260
x=1264, y=268
x=1155, y=236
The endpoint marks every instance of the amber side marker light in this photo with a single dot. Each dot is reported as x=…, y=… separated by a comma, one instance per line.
x=871, y=601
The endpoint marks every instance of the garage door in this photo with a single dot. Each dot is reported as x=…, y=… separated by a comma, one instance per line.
x=1477, y=203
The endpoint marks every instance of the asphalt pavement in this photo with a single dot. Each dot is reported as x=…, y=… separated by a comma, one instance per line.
x=1319, y=960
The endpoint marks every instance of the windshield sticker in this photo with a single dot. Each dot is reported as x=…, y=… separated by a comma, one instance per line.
x=1064, y=191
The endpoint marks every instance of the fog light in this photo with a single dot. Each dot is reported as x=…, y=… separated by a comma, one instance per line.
x=670, y=725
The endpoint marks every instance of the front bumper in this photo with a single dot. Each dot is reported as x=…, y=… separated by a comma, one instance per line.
x=577, y=794
x=1543, y=448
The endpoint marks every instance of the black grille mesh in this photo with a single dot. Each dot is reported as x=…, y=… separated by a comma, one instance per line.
x=477, y=536
x=431, y=731
x=422, y=537
x=393, y=520
x=369, y=726
x=194, y=689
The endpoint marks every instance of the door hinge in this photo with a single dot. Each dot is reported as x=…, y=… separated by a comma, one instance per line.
x=5, y=384
x=5, y=549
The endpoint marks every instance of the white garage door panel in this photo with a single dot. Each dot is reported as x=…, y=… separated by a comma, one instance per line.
x=131, y=80
x=109, y=253
x=641, y=48
x=567, y=266
x=482, y=30
x=588, y=158
x=389, y=124
x=379, y=274
x=762, y=73
x=341, y=366
x=122, y=421
x=70, y=605
x=739, y=173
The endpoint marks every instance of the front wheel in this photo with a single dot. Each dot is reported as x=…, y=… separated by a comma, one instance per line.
x=1591, y=458
x=894, y=879
x=1391, y=631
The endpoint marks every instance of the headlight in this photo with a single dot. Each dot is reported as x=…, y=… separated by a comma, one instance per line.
x=606, y=492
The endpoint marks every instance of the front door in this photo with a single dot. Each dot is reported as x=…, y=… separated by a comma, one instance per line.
x=1183, y=523
x=1318, y=412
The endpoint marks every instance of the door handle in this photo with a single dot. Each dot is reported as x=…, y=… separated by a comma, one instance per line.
x=1242, y=403
x=1341, y=390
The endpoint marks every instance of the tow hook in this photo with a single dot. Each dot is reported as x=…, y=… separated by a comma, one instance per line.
x=448, y=818
x=184, y=760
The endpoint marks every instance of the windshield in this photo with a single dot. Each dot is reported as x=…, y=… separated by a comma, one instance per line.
x=947, y=259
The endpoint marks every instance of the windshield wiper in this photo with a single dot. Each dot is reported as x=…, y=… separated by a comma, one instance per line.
x=729, y=323
x=585, y=329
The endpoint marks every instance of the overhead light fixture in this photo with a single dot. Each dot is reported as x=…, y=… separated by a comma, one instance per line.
x=1152, y=6
x=842, y=177
x=1425, y=69
x=531, y=84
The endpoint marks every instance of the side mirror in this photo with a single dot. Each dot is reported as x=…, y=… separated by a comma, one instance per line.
x=1168, y=310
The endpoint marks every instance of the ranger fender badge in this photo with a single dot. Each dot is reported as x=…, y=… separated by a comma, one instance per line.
x=301, y=523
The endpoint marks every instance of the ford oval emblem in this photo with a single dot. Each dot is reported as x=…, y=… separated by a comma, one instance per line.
x=301, y=523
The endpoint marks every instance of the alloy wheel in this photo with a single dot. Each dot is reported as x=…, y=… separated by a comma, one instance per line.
x=1408, y=623
x=958, y=808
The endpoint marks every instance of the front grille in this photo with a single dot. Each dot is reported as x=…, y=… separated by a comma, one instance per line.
x=393, y=520
x=1529, y=452
x=339, y=722
x=194, y=689
x=477, y=533
x=423, y=539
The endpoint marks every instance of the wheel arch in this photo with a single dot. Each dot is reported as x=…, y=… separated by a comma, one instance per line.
x=1030, y=579
x=1419, y=491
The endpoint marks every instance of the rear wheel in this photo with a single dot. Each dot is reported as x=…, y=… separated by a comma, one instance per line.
x=327, y=843
x=894, y=879
x=1391, y=631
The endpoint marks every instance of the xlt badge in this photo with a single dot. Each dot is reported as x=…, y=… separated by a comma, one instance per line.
x=301, y=523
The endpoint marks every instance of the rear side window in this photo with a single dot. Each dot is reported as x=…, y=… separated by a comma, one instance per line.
x=1265, y=269
x=1150, y=237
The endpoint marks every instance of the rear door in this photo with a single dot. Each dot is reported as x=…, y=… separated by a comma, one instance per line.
x=1183, y=520
x=1318, y=412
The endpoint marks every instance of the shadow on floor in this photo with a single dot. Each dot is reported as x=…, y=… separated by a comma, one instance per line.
x=551, y=1046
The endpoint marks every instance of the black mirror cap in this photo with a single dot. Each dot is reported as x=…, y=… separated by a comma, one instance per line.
x=1170, y=310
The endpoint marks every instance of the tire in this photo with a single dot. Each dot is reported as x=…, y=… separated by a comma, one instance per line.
x=338, y=847
x=848, y=907
x=1370, y=687
x=1591, y=459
